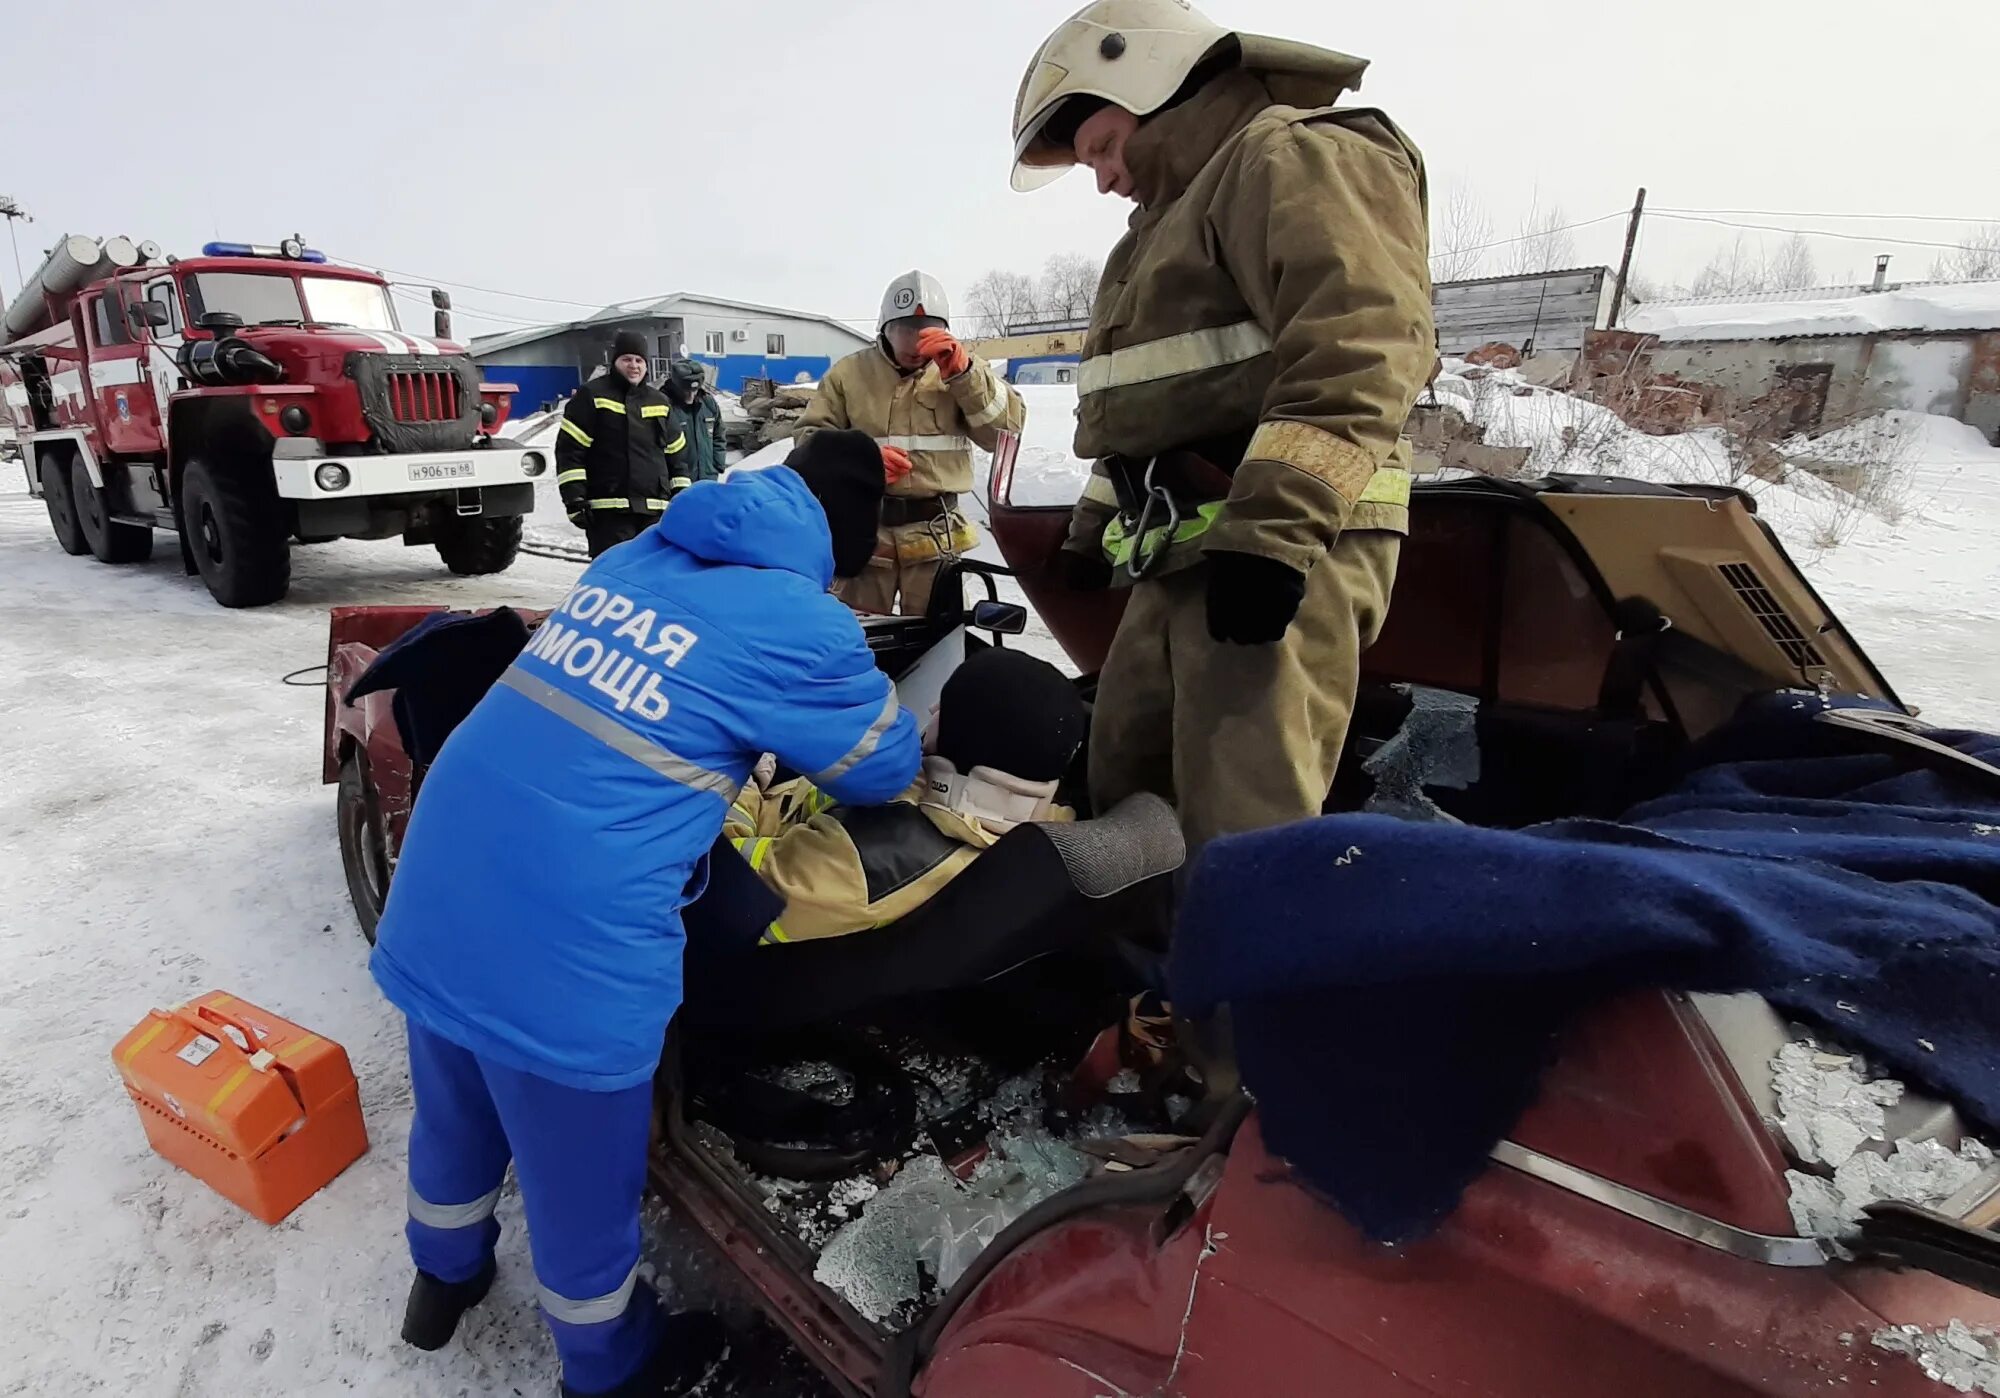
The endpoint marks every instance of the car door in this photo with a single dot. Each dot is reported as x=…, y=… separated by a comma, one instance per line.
x=162, y=348
x=121, y=398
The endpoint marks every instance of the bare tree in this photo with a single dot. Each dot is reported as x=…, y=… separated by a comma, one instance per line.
x=1463, y=231
x=1792, y=268
x=1975, y=259
x=1544, y=244
x=1734, y=271
x=1068, y=286
x=1000, y=299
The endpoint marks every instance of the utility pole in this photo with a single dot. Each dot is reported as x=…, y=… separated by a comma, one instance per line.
x=10, y=209
x=1625, y=267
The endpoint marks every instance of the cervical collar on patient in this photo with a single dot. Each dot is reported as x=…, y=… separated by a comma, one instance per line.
x=999, y=802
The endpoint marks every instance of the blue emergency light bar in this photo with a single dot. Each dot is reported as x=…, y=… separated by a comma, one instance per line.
x=290, y=251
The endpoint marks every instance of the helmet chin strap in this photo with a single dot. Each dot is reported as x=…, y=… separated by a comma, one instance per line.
x=999, y=802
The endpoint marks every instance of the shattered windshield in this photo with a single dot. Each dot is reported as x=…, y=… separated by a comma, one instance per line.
x=272, y=298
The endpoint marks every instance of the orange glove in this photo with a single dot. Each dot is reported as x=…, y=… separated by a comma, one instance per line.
x=896, y=464
x=942, y=348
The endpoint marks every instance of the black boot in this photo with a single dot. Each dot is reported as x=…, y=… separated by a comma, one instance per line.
x=693, y=1345
x=436, y=1307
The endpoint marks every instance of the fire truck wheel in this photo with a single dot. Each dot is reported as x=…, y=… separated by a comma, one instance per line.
x=476, y=544
x=62, y=509
x=364, y=846
x=236, y=531
x=109, y=541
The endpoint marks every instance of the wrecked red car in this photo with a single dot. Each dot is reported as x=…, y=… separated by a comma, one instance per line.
x=1047, y=1223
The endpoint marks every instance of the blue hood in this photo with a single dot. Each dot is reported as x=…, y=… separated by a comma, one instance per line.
x=764, y=518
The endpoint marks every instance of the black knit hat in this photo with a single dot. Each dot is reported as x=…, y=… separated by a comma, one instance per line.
x=628, y=342
x=1006, y=710
x=843, y=469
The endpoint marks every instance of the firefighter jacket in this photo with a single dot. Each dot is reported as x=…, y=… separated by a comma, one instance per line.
x=534, y=916
x=936, y=420
x=846, y=868
x=619, y=448
x=1269, y=312
x=701, y=424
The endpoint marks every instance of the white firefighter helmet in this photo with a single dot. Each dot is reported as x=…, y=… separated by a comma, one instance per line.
x=914, y=294
x=1136, y=53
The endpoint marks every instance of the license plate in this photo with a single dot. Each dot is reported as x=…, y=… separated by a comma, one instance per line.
x=440, y=470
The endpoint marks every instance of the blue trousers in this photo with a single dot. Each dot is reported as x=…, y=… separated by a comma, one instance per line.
x=580, y=1158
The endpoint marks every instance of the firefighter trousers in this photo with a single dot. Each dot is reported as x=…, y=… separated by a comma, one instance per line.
x=580, y=1159
x=606, y=529
x=899, y=578
x=1237, y=737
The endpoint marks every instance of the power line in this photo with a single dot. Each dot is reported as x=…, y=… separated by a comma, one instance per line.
x=1538, y=233
x=1791, y=213
x=1808, y=232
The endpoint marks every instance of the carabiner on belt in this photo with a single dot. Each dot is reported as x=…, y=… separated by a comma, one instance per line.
x=1142, y=558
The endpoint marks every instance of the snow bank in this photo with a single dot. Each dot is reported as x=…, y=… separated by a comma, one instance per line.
x=1956, y=306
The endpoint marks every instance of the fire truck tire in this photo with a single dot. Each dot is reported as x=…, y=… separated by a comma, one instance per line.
x=236, y=529
x=62, y=508
x=109, y=541
x=478, y=544
x=364, y=844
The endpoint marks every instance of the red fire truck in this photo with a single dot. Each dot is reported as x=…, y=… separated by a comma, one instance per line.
x=247, y=398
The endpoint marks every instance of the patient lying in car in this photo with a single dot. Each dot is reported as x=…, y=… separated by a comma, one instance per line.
x=1007, y=728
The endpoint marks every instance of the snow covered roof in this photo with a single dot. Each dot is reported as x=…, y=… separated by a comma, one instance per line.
x=1918, y=306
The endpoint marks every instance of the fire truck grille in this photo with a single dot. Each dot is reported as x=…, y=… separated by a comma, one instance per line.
x=427, y=395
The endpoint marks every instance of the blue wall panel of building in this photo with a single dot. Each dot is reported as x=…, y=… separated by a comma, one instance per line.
x=534, y=384
x=1015, y=366
x=732, y=369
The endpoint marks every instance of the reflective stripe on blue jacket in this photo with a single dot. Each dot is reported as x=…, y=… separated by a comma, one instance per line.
x=534, y=916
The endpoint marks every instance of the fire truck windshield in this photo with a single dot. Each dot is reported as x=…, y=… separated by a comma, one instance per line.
x=267, y=298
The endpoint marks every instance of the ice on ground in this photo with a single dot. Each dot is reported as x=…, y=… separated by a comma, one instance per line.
x=1957, y=1356
x=926, y=1223
x=1825, y=1107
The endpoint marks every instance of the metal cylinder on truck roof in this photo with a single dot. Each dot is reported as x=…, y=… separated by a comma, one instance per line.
x=71, y=263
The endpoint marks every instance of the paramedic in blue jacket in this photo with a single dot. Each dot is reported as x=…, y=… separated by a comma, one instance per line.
x=524, y=938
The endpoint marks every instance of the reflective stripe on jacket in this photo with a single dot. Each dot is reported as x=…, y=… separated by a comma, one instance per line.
x=619, y=448
x=1269, y=310
x=938, y=421
x=534, y=915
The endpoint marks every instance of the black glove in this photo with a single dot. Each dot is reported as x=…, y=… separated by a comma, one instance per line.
x=1083, y=572
x=1251, y=599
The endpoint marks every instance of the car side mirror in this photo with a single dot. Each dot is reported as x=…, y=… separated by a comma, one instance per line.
x=441, y=324
x=440, y=300
x=142, y=314
x=1001, y=618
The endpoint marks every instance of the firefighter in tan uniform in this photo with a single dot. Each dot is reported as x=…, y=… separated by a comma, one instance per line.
x=1258, y=339
x=927, y=402
x=1008, y=726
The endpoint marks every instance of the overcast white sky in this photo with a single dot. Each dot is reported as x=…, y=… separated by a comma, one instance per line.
x=802, y=153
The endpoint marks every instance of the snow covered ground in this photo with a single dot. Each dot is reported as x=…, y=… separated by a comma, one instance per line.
x=163, y=831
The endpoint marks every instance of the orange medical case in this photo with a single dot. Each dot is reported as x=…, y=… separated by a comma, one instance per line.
x=263, y=1111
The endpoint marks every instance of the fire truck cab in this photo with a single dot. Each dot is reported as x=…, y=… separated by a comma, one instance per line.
x=245, y=399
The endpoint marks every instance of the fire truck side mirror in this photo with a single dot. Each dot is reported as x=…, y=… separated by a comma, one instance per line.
x=441, y=324
x=148, y=313
x=441, y=300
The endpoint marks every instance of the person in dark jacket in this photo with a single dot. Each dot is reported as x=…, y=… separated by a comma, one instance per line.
x=699, y=416
x=532, y=935
x=619, y=452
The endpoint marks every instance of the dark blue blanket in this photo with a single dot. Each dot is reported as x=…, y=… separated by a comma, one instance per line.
x=1397, y=987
